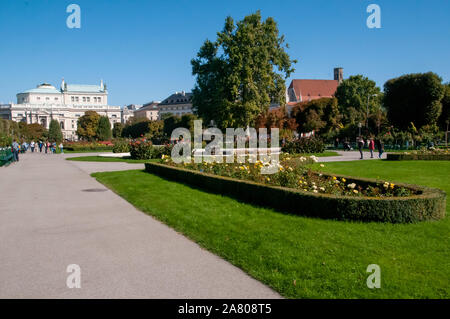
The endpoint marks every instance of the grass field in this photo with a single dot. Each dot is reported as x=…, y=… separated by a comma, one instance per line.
x=107, y=159
x=305, y=257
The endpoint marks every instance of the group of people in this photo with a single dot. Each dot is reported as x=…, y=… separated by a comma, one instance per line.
x=371, y=143
x=47, y=147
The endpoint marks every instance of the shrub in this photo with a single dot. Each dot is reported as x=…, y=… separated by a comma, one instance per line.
x=121, y=146
x=429, y=204
x=87, y=146
x=304, y=145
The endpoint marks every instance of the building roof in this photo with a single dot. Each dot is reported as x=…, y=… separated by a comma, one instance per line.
x=178, y=98
x=44, y=88
x=84, y=88
x=313, y=89
x=153, y=105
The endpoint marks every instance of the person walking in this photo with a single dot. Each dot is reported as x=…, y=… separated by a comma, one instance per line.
x=46, y=147
x=40, y=144
x=15, y=149
x=380, y=147
x=371, y=147
x=61, y=147
x=32, y=145
x=360, y=146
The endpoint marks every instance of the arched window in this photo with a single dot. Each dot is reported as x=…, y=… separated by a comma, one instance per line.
x=61, y=124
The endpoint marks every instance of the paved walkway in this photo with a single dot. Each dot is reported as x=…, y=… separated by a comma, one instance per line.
x=50, y=218
x=350, y=156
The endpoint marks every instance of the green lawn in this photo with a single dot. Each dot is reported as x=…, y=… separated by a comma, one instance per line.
x=107, y=159
x=305, y=257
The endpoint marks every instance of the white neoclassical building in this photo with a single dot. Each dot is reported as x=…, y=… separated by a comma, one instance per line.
x=66, y=105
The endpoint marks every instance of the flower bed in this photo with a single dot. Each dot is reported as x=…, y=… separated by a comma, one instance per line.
x=316, y=194
x=427, y=155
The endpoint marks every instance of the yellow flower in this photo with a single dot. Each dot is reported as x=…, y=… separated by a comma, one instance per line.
x=355, y=191
x=344, y=180
x=334, y=178
x=267, y=179
x=392, y=186
x=321, y=165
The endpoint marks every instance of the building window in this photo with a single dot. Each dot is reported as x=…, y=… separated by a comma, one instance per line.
x=84, y=99
x=88, y=99
x=47, y=98
x=76, y=99
x=99, y=99
x=38, y=98
x=56, y=99
x=72, y=98
x=62, y=125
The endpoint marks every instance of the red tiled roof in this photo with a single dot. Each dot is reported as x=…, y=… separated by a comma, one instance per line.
x=314, y=89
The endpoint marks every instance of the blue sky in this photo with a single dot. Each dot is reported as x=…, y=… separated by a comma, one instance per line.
x=142, y=49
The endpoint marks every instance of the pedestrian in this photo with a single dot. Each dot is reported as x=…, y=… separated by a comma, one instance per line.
x=54, y=148
x=360, y=145
x=40, y=144
x=61, y=147
x=15, y=149
x=380, y=147
x=46, y=147
x=371, y=147
x=32, y=145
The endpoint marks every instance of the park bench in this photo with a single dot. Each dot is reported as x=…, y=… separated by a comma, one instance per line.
x=6, y=156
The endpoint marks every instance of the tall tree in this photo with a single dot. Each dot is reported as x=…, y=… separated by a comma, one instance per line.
x=414, y=98
x=321, y=115
x=444, y=119
x=240, y=74
x=104, y=129
x=353, y=96
x=117, y=130
x=87, y=125
x=54, y=132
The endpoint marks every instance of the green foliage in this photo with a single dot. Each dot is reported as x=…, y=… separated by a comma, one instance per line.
x=121, y=146
x=173, y=122
x=117, y=130
x=155, y=132
x=136, y=127
x=304, y=145
x=430, y=205
x=83, y=146
x=141, y=150
x=321, y=115
x=103, y=129
x=87, y=125
x=444, y=119
x=413, y=98
x=236, y=76
x=54, y=132
x=352, y=96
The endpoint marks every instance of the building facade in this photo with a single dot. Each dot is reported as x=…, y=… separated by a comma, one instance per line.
x=149, y=110
x=66, y=105
x=179, y=103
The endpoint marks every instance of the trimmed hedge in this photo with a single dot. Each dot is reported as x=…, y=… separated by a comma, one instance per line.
x=416, y=157
x=428, y=205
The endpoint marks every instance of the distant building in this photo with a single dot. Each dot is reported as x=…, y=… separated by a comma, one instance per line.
x=149, y=110
x=308, y=90
x=66, y=105
x=177, y=104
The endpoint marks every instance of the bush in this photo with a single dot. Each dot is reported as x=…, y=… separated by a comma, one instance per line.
x=121, y=146
x=430, y=204
x=144, y=149
x=88, y=146
x=304, y=145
